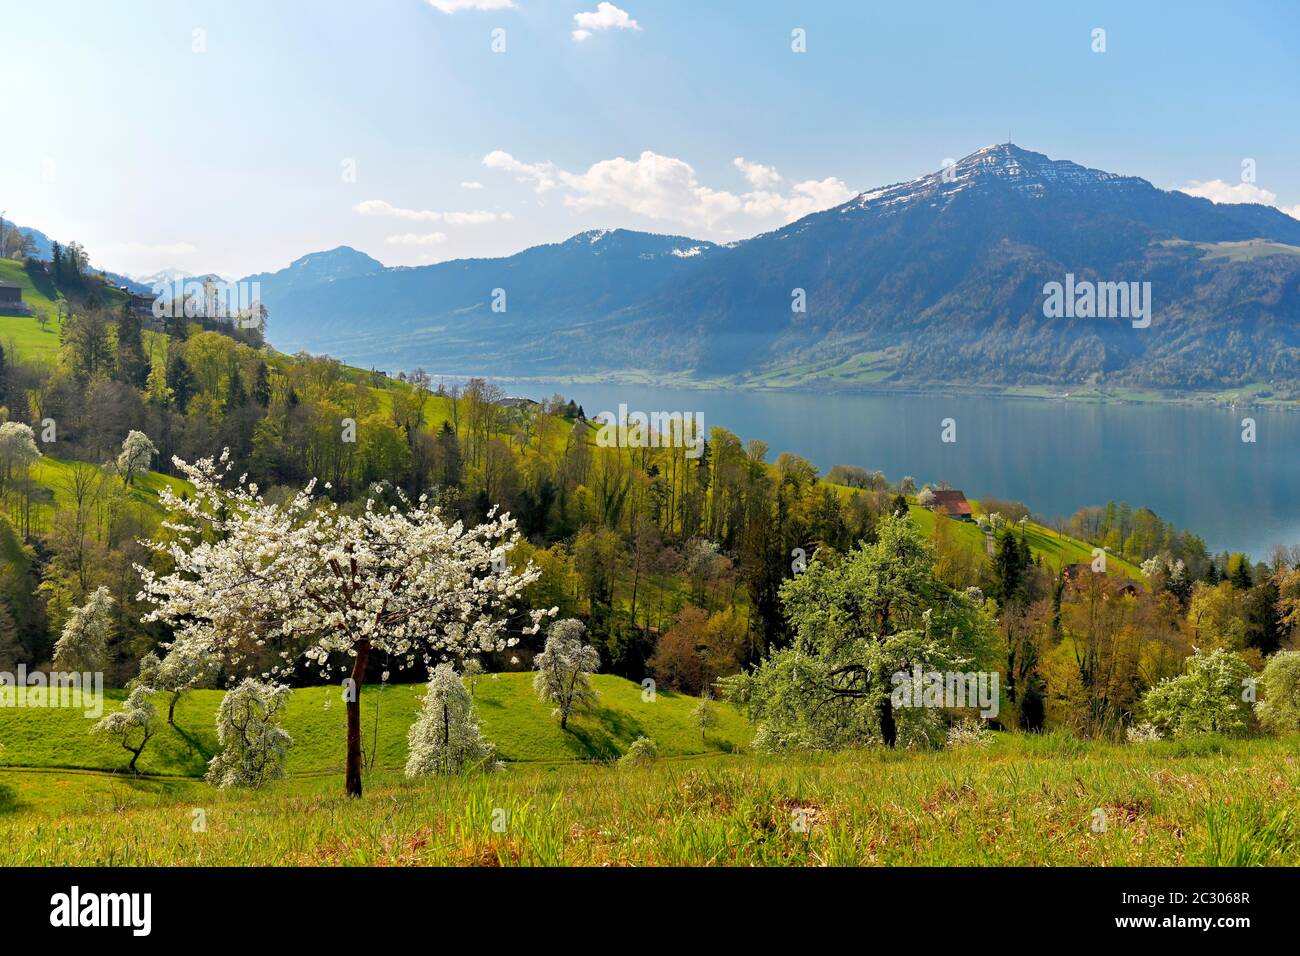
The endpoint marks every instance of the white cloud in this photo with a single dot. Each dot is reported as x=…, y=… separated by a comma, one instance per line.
x=380, y=207
x=758, y=175
x=415, y=239
x=1216, y=190
x=606, y=16
x=471, y=184
x=454, y=6
x=664, y=188
x=541, y=175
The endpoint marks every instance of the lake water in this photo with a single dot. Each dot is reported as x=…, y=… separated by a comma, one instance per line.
x=1187, y=463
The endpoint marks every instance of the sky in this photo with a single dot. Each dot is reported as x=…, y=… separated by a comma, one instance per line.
x=234, y=136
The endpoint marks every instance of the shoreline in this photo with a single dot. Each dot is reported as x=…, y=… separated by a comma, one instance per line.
x=1082, y=395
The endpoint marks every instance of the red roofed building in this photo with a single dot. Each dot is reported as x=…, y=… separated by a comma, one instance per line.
x=953, y=503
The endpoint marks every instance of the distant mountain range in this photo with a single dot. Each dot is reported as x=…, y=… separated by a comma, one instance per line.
x=936, y=280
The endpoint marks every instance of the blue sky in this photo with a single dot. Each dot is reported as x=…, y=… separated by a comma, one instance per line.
x=228, y=149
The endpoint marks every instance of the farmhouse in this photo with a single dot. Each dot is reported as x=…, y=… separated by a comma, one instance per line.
x=11, y=299
x=1075, y=573
x=953, y=503
x=143, y=305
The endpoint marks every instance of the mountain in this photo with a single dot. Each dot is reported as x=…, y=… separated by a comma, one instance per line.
x=936, y=280
x=411, y=316
x=317, y=268
x=43, y=245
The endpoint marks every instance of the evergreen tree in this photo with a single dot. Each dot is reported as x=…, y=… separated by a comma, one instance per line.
x=181, y=380
x=235, y=394
x=261, y=391
x=132, y=364
x=449, y=460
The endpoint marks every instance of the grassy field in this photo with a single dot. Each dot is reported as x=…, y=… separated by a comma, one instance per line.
x=22, y=334
x=1046, y=800
x=511, y=716
x=1056, y=550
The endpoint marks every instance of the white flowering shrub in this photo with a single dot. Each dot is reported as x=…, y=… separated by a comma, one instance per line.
x=1206, y=699
x=1279, y=710
x=306, y=579
x=968, y=733
x=137, y=452
x=83, y=645
x=642, y=751
x=18, y=449
x=253, y=744
x=445, y=738
x=564, y=669
x=132, y=725
x=1142, y=733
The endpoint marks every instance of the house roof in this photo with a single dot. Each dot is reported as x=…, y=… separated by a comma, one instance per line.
x=951, y=501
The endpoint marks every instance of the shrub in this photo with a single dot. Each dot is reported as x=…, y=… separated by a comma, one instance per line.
x=1206, y=699
x=1142, y=733
x=968, y=733
x=643, y=751
x=445, y=738
x=253, y=744
x=1279, y=710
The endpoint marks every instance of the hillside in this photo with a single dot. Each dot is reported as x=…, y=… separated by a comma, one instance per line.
x=23, y=334
x=511, y=716
x=935, y=280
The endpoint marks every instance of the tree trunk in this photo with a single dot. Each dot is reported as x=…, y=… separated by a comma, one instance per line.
x=354, y=720
x=888, y=730
x=171, y=710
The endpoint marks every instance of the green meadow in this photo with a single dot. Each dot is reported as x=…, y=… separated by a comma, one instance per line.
x=1022, y=800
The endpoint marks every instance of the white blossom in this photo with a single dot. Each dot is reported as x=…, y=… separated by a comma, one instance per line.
x=83, y=644
x=564, y=669
x=445, y=738
x=313, y=581
x=253, y=744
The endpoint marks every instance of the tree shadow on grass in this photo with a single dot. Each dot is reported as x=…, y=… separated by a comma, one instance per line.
x=601, y=731
x=183, y=752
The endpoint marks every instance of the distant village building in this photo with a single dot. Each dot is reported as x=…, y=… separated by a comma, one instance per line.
x=1076, y=573
x=142, y=305
x=11, y=299
x=951, y=502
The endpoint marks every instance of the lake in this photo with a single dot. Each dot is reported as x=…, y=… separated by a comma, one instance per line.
x=1187, y=463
